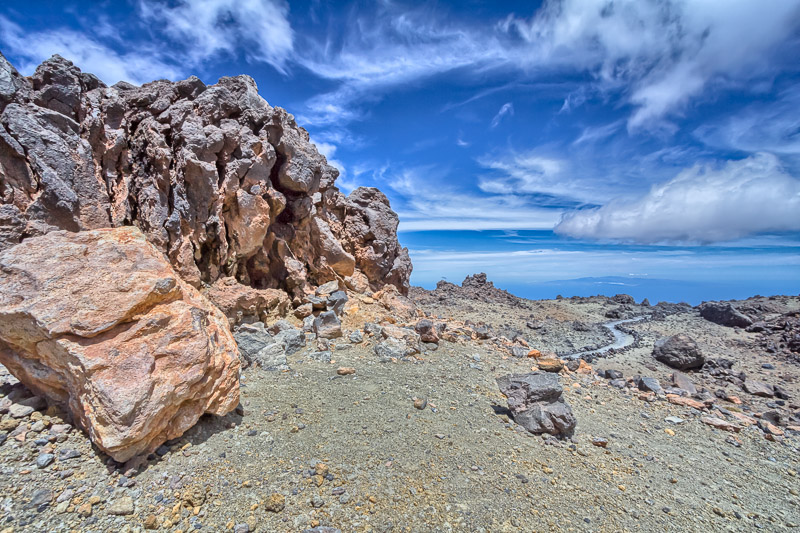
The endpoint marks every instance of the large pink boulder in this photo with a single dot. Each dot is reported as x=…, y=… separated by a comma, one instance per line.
x=100, y=322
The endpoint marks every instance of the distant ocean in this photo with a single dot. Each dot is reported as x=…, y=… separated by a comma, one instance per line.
x=541, y=265
x=655, y=290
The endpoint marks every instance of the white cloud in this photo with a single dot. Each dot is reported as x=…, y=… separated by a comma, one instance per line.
x=702, y=204
x=532, y=172
x=661, y=53
x=597, y=133
x=425, y=201
x=772, y=127
x=88, y=54
x=329, y=151
x=657, y=54
x=183, y=36
x=506, y=109
x=204, y=28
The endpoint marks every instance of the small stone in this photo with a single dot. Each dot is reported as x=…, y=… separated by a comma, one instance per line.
x=317, y=502
x=648, y=384
x=420, y=403
x=85, y=510
x=550, y=364
x=757, y=388
x=45, y=460
x=67, y=454
x=40, y=497
x=600, y=442
x=720, y=424
x=20, y=411
x=151, y=522
x=275, y=503
x=345, y=370
x=122, y=506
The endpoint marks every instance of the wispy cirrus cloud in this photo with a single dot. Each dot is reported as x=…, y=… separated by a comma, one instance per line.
x=657, y=54
x=425, y=200
x=506, y=109
x=201, y=29
x=772, y=127
x=169, y=40
x=91, y=55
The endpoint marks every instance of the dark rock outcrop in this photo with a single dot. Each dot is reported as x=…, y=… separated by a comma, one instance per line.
x=537, y=404
x=724, y=314
x=475, y=287
x=679, y=351
x=224, y=184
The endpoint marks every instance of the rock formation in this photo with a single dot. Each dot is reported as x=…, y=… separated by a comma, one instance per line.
x=679, y=351
x=227, y=186
x=100, y=322
x=724, y=314
x=536, y=403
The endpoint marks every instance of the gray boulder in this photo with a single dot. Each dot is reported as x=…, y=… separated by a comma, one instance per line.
x=392, y=348
x=650, y=385
x=724, y=314
x=327, y=325
x=293, y=340
x=554, y=418
x=427, y=331
x=257, y=346
x=537, y=404
x=279, y=326
x=679, y=351
x=373, y=329
x=336, y=302
x=520, y=351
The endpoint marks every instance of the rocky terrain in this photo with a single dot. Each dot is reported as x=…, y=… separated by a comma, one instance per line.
x=350, y=439
x=201, y=333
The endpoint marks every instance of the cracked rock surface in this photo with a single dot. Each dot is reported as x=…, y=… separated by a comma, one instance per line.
x=227, y=186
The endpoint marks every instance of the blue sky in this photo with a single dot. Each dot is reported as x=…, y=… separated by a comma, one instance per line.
x=639, y=139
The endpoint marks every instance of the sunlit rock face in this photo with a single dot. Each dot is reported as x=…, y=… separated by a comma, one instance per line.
x=224, y=184
x=99, y=322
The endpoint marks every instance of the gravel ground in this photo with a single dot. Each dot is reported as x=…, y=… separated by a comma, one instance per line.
x=313, y=448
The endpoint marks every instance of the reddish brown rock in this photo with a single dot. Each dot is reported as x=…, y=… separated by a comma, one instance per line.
x=550, y=364
x=224, y=184
x=98, y=321
x=720, y=424
x=427, y=331
x=400, y=307
x=239, y=301
x=685, y=402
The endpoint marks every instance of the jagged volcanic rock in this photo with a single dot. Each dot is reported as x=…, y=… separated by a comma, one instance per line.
x=224, y=184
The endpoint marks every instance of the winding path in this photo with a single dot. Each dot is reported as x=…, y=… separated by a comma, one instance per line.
x=621, y=339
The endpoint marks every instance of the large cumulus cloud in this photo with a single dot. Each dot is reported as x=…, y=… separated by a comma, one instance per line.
x=702, y=203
